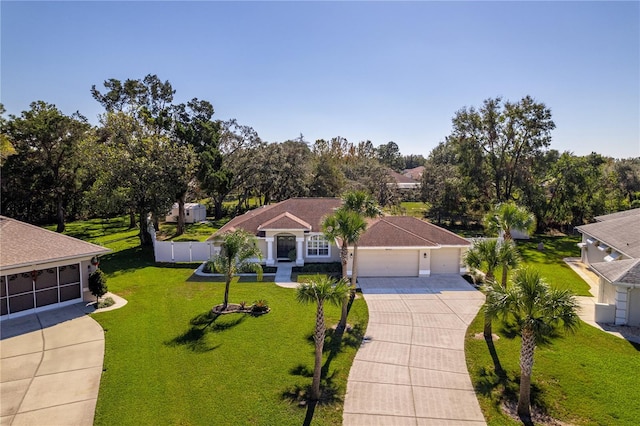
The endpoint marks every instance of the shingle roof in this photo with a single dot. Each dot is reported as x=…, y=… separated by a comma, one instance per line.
x=24, y=244
x=619, y=271
x=620, y=233
x=400, y=178
x=407, y=231
x=415, y=173
x=618, y=215
x=307, y=210
x=285, y=221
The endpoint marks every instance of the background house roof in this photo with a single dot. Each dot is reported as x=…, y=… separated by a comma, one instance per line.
x=621, y=233
x=407, y=231
x=24, y=244
x=309, y=210
x=415, y=173
x=618, y=215
x=620, y=271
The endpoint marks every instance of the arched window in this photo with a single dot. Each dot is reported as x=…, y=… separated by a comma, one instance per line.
x=317, y=245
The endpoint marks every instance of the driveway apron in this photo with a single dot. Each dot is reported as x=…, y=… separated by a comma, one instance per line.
x=411, y=369
x=50, y=368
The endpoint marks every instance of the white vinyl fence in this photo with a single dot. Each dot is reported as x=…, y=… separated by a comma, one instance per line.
x=187, y=251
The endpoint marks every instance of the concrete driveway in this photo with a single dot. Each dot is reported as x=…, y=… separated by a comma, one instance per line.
x=411, y=369
x=50, y=368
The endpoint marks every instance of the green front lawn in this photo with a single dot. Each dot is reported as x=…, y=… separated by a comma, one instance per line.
x=166, y=362
x=586, y=378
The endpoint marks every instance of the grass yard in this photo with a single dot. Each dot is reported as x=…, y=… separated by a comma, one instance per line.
x=585, y=378
x=166, y=362
x=549, y=261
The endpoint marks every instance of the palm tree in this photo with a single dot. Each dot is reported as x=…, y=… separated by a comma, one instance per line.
x=319, y=290
x=538, y=311
x=509, y=258
x=509, y=216
x=238, y=251
x=347, y=226
x=366, y=206
x=484, y=255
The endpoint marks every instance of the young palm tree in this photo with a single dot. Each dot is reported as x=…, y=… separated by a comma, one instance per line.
x=537, y=310
x=238, y=252
x=346, y=226
x=509, y=258
x=366, y=206
x=509, y=216
x=319, y=290
x=484, y=255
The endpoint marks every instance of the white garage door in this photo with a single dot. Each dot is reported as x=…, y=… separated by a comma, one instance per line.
x=388, y=263
x=445, y=261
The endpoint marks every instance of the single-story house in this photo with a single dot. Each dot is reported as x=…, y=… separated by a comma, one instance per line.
x=41, y=269
x=391, y=246
x=403, y=181
x=193, y=213
x=611, y=248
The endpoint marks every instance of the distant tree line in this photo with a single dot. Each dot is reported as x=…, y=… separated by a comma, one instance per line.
x=148, y=152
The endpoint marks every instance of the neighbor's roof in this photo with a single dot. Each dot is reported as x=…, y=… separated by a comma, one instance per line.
x=24, y=244
x=618, y=215
x=415, y=173
x=302, y=213
x=621, y=233
x=400, y=178
x=407, y=231
x=619, y=271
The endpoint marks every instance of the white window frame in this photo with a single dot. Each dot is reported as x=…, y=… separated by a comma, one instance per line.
x=313, y=243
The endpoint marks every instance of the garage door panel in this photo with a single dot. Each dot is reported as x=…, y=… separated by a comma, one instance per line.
x=445, y=261
x=388, y=263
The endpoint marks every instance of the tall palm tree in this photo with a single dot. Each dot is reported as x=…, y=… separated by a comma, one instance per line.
x=346, y=226
x=509, y=216
x=538, y=311
x=238, y=252
x=366, y=206
x=319, y=290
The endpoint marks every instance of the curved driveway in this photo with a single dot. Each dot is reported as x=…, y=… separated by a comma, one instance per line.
x=50, y=368
x=411, y=368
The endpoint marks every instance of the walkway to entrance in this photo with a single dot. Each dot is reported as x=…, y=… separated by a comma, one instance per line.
x=411, y=369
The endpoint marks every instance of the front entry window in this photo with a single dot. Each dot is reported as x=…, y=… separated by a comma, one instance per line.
x=317, y=245
x=285, y=243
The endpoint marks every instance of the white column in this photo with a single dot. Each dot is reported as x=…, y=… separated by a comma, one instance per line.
x=270, y=261
x=300, y=247
x=622, y=303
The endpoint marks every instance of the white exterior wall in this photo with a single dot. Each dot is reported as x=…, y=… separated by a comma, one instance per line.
x=634, y=307
x=607, y=292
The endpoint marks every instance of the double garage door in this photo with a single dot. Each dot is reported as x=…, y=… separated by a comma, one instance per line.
x=39, y=288
x=406, y=263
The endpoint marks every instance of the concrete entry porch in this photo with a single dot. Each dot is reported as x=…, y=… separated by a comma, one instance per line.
x=411, y=366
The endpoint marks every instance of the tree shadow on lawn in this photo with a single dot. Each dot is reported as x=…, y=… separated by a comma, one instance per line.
x=202, y=324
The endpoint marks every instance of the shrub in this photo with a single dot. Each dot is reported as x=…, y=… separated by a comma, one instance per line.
x=260, y=306
x=98, y=284
x=292, y=255
x=106, y=303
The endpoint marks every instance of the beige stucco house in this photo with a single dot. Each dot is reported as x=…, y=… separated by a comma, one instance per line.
x=611, y=248
x=40, y=269
x=391, y=246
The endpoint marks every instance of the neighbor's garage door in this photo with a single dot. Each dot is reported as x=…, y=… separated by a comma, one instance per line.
x=445, y=261
x=388, y=263
x=37, y=289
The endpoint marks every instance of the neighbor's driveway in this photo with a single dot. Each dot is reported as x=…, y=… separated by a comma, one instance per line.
x=50, y=368
x=411, y=369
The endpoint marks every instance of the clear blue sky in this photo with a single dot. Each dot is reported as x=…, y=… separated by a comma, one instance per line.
x=383, y=71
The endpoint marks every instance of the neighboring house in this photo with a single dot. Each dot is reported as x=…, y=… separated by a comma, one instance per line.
x=41, y=269
x=402, y=181
x=391, y=246
x=611, y=248
x=415, y=173
x=193, y=213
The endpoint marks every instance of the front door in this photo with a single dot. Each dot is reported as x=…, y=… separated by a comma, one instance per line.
x=285, y=243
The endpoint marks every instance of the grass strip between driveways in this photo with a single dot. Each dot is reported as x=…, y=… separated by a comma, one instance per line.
x=585, y=378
